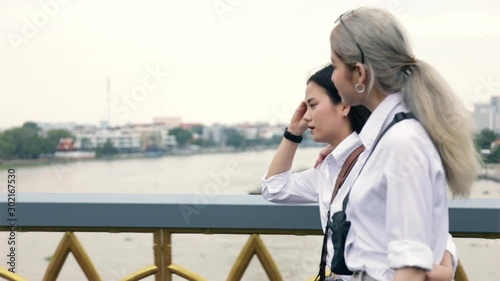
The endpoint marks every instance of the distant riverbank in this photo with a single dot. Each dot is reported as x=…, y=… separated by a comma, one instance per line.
x=16, y=163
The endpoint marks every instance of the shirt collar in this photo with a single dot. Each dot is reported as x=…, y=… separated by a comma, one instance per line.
x=378, y=118
x=339, y=155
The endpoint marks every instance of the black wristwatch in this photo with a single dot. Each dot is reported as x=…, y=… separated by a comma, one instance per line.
x=291, y=137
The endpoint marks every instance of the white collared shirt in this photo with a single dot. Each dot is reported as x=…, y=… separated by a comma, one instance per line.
x=398, y=205
x=314, y=185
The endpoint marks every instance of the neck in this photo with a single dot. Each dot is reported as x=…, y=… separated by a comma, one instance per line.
x=335, y=142
x=375, y=97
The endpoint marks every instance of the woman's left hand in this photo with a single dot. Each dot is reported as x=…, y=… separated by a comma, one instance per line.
x=443, y=271
x=322, y=155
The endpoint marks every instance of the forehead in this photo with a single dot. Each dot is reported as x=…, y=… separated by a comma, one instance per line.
x=313, y=90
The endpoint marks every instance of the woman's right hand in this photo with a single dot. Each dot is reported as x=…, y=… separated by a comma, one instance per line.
x=283, y=158
x=298, y=125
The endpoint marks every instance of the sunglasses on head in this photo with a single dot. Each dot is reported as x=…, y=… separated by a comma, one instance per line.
x=343, y=24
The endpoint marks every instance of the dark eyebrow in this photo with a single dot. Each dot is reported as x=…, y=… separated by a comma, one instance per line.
x=309, y=100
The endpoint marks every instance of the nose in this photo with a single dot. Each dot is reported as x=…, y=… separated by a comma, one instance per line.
x=307, y=116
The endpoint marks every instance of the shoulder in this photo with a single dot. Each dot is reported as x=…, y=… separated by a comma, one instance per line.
x=346, y=147
x=407, y=133
x=321, y=167
x=409, y=140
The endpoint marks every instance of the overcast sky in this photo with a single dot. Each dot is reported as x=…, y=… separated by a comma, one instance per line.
x=210, y=60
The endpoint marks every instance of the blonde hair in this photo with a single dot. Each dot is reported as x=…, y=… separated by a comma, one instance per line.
x=392, y=68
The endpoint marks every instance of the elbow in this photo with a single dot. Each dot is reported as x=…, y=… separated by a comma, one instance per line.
x=274, y=195
x=268, y=195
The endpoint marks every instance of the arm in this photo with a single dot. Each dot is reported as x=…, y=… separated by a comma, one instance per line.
x=282, y=160
x=279, y=184
x=451, y=249
x=409, y=207
x=445, y=271
x=291, y=187
x=409, y=274
x=442, y=272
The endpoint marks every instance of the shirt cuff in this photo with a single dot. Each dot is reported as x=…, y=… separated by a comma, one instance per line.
x=276, y=183
x=452, y=248
x=409, y=254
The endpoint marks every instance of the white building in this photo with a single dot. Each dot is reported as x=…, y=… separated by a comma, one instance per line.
x=167, y=141
x=154, y=136
x=495, y=108
x=122, y=140
x=214, y=133
x=487, y=115
x=249, y=131
x=483, y=116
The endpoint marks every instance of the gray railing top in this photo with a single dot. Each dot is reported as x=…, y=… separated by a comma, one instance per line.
x=96, y=210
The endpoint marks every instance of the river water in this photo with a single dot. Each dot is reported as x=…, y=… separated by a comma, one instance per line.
x=116, y=255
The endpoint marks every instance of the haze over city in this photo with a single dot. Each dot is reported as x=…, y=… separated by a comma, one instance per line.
x=210, y=61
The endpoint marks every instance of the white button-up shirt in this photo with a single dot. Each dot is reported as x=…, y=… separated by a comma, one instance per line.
x=398, y=204
x=316, y=185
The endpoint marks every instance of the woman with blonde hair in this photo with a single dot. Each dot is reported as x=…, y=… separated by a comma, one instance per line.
x=397, y=207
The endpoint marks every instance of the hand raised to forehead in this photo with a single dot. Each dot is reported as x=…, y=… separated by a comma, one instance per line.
x=297, y=124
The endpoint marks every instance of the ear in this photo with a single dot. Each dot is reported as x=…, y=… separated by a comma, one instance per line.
x=360, y=73
x=345, y=109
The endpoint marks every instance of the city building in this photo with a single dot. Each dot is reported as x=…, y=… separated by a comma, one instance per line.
x=214, y=133
x=123, y=141
x=483, y=116
x=169, y=122
x=487, y=115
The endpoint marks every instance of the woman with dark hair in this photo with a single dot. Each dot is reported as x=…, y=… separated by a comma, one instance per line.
x=332, y=122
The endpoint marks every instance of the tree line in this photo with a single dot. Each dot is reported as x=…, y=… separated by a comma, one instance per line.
x=30, y=142
x=483, y=140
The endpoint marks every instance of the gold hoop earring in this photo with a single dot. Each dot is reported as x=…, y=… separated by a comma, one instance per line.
x=358, y=89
